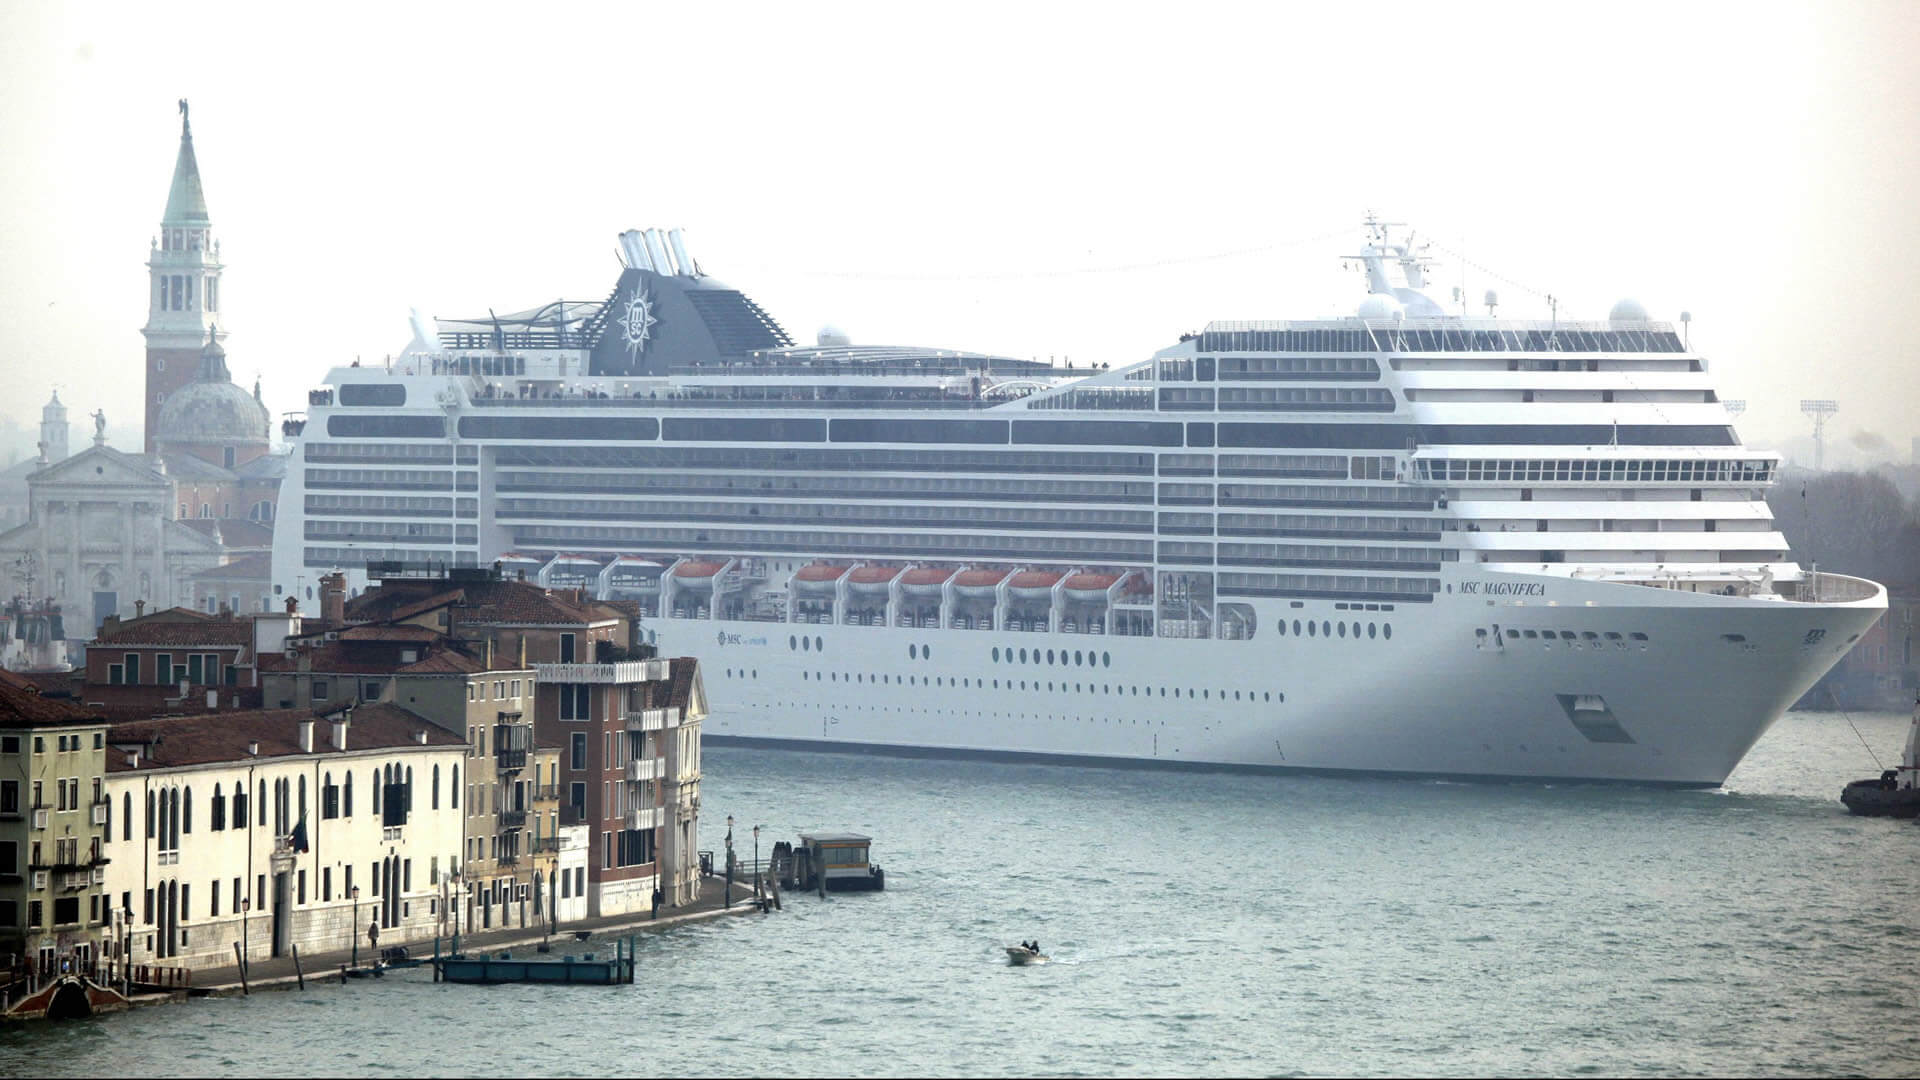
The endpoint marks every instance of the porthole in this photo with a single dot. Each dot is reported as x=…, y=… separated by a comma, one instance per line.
x=1106, y=659
x=1313, y=630
x=804, y=676
x=926, y=652
x=819, y=644
x=913, y=652
x=1266, y=695
x=792, y=643
x=1326, y=628
x=1049, y=656
x=1023, y=656
x=1078, y=658
x=1283, y=628
x=996, y=654
x=806, y=644
x=1236, y=695
x=1343, y=629
x=1373, y=630
x=1296, y=628
x=1386, y=631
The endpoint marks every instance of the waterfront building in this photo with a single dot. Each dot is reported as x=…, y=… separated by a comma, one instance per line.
x=468, y=688
x=626, y=725
x=257, y=827
x=170, y=658
x=53, y=822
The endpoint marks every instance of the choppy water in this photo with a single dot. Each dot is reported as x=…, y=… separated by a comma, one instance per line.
x=1200, y=924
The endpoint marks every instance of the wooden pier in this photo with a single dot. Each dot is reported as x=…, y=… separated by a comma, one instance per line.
x=506, y=968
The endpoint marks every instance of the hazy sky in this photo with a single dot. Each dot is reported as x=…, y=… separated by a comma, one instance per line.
x=1083, y=181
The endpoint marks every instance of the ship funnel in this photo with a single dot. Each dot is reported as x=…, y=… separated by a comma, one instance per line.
x=657, y=249
x=633, y=251
x=678, y=241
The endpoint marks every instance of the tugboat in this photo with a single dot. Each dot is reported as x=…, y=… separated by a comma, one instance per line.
x=1897, y=791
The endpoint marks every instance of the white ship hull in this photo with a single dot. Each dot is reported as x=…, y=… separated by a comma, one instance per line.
x=1434, y=700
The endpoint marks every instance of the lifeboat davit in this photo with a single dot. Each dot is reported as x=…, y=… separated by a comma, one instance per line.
x=1034, y=584
x=1090, y=586
x=979, y=582
x=818, y=578
x=696, y=575
x=925, y=581
x=872, y=579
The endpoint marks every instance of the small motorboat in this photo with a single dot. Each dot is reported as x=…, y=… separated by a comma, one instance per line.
x=1021, y=956
x=1896, y=793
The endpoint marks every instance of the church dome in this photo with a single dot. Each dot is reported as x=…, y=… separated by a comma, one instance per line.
x=211, y=409
x=212, y=412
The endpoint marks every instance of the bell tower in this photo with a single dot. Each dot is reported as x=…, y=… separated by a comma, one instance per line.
x=183, y=302
x=53, y=430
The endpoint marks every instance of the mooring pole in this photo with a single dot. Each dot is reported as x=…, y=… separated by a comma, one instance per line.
x=236, y=956
x=299, y=976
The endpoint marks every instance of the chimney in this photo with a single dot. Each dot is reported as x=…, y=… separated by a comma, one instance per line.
x=339, y=739
x=213, y=699
x=333, y=599
x=133, y=758
x=253, y=749
x=306, y=736
x=420, y=736
x=293, y=605
x=139, y=608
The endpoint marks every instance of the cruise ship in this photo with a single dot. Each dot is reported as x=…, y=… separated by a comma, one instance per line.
x=1409, y=541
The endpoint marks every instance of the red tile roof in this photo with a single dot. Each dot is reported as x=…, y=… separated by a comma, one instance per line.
x=220, y=737
x=204, y=631
x=478, y=603
x=28, y=708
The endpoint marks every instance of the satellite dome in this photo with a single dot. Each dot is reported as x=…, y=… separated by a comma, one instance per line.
x=1628, y=310
x=833, y=335
x=1379, y=306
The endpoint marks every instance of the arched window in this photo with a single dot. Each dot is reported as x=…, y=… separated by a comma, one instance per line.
x=348, y=809
x=240, y=805
x=436, y=787
x=454, y=791
x=218, y=807
x=186, y=811
x=173, y=820
x=126, y=816
x=406, y=803
x=263, y=812
x=303, y=798
x=150, y=823
x=376, y=791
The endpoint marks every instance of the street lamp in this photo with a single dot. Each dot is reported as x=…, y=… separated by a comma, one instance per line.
x=246, y=905
x=353, y=927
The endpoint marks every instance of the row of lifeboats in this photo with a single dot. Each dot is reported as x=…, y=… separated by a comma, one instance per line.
x=818, y=579
x=928, y=582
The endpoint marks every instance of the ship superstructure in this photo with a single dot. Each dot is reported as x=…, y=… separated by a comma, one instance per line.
x=1402, y=541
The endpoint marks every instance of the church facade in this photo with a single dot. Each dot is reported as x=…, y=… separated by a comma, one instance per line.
x=104, y=532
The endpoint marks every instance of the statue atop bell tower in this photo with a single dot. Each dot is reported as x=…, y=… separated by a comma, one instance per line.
x=184, y=268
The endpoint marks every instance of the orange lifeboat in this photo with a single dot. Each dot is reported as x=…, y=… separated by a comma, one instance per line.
x=872, y=579
x=697, y=575
x=979, y=582
x=925, y=581
x=1034, y=584
x=818, y=578
x=1090, y=586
